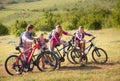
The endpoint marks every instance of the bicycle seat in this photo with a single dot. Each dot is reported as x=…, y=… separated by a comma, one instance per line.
x=57, y=45
x=17, y=48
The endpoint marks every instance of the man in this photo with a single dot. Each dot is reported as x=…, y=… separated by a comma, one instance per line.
x=27, y=39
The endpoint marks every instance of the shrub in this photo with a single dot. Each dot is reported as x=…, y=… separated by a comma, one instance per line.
x=95, y=25
x=2, y=7
x=18, y=27
x=3, y=30
x=67, y=25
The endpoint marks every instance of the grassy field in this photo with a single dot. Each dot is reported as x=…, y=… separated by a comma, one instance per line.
x=107, y=39
x=33, y=10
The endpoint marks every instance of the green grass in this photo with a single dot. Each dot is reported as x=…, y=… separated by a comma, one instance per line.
x=44, y=4
x=107, y=39
x=33, y=10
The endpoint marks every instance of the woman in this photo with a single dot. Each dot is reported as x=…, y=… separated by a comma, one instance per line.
x=56, y=37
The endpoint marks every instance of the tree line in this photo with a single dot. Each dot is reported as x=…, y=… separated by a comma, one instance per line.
x=92, y=17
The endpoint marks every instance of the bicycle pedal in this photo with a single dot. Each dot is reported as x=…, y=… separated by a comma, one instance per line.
x=62, y=59
x=35, y=63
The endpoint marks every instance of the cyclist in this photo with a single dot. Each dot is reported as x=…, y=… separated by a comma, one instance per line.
x=43, y=46
x=42, y=42
x=27, y=39
x=56, y=37
x=79, y=35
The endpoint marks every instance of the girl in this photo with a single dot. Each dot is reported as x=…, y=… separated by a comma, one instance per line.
x=80, y=34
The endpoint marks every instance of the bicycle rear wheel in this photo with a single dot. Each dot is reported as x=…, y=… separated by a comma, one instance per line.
x=70, y=59
x=47, y=61
x=79, y=57
x=58, y=58
x=14, y=65
x=99, y=55
x=75, y=55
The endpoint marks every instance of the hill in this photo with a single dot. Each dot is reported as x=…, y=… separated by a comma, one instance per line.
x=15, y=1
x=45, y=14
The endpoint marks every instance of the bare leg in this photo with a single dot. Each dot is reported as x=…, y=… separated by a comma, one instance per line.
x=43, y=64
x=82, y=47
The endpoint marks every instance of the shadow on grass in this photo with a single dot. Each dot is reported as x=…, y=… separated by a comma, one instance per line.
x=111, y=63
x=108, y=63
x=89, y=66
x=86, y=67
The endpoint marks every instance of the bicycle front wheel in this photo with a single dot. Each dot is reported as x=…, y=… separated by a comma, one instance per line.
x=99, y=55
x=14, y=65
x=47, y=61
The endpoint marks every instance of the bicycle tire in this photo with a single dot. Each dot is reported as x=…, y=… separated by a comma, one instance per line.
x=97, y=50
x=75, y=55
x=7, y=66
x=59, y=62
x=53, y=58
x=69, y=58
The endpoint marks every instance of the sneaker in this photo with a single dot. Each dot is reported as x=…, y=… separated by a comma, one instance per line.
x=62, y=59
x=51, y=64
x=19, y=71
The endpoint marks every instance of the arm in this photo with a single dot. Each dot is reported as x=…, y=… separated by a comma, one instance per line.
x=66, y=33
x=88, y=34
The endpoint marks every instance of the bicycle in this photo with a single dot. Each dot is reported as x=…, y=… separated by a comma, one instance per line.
x=99, y=55
x=70, y=49
x=24, y=63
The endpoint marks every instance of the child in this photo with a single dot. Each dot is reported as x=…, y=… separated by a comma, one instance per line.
x=43, y=46
x=80, y=34
x=42, y=42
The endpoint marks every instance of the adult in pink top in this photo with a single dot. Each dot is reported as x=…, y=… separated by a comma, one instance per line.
x=56, y=37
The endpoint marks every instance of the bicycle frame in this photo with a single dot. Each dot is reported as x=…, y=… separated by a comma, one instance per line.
x=29, y=54
x=58, y=50
x=90, y=46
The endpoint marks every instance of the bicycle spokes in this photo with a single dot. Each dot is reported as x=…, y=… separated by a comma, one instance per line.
x=99, y=55
x=47, y=62
x=12, y=66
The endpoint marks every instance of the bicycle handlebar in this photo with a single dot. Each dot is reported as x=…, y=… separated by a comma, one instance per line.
x=91, y=39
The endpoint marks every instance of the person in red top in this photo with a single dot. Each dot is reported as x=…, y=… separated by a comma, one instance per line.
x=42, y=42
x=56, y=37
x=42, y=46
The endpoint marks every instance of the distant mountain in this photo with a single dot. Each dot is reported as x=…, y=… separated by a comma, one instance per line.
x=15, y=1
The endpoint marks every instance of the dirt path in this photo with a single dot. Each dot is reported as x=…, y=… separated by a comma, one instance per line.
x=75, y=67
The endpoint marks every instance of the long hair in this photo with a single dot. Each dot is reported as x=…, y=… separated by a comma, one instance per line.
x=60, y=33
